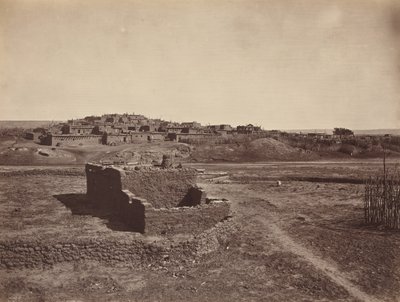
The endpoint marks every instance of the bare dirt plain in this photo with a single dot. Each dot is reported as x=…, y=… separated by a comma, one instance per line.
x=302, y=241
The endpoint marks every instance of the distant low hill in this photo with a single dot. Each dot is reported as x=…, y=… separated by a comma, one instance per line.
x=26, y=124
x=327, y=131
x=377, y=132
x=261, y=149
x=356, y=132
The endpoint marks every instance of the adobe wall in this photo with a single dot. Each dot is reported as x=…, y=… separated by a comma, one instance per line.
x=33, y=135
x=128, y=138
x=123, y=138
x=104, y=186
x=142, y=217
x=69, y=139
x=157, y=136
x=161, y=188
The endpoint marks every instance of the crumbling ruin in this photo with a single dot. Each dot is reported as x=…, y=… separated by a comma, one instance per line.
x=154, y=200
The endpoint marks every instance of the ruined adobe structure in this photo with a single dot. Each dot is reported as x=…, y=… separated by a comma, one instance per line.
x=201, y=220
x=154, y=200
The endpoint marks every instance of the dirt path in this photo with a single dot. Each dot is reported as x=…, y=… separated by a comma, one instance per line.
x=320, y=264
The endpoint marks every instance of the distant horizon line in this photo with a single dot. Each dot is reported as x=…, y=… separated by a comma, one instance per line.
x=283, y=129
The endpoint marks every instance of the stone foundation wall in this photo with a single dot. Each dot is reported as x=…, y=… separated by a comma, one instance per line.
x=16, y=254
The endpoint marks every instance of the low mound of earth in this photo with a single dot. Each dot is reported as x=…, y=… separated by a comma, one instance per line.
x=263, y=149
x=149, y=154
x=18, y=151
x=271, y=148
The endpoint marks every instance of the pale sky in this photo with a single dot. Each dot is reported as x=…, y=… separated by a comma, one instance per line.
x=281, y=64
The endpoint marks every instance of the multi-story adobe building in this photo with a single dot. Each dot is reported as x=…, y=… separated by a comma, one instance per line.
x=248, y=129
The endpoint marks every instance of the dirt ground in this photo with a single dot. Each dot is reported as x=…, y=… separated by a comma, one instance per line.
x=302, y=241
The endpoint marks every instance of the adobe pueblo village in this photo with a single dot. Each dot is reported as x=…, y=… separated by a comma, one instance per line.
x=121, y=207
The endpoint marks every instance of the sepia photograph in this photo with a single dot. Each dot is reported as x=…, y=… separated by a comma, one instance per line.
x=199, y=150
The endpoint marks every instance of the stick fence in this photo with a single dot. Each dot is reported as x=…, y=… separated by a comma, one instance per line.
x=382, y=200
